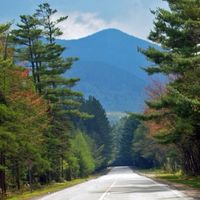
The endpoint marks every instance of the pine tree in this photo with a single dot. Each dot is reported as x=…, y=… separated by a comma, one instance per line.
x=36, y=36
x=177, y=30
x=127, y=137
x=27, y=37
x=23, y=119
x=57, y=89
x=82, y=151
x=6, y=114
x=98, y=128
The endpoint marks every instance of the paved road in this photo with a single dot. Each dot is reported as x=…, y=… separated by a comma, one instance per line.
x=121, y=183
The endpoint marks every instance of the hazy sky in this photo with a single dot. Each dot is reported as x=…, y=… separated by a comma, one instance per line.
x=89, y=16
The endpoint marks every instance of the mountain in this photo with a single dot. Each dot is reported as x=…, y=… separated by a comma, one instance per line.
x=116, y=89
x=110, y=69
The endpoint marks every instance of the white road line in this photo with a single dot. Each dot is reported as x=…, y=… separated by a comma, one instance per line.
x=106, y=192
x=176, y=192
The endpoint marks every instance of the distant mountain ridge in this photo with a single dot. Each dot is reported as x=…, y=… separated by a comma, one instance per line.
x=110, y=69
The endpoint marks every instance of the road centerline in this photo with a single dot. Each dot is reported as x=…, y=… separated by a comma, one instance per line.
x=107, y=191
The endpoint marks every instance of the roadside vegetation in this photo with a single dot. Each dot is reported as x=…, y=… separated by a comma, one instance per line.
x=45, y=190
x=172, y=113
x=48, y=132
x=167, y=135
x=177, y=177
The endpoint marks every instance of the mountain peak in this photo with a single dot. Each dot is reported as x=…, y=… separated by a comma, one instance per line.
x=110, y=32
x=109, y=68
x=105, y=33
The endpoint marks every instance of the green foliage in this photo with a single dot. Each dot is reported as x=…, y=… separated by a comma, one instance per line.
x=83, y=152
x=45, y=58
x=177, y=31
x=23, y=120
x=38, y=138
x=98, y=128
x=36, y=38
x=144, y=149
x=127, y=137
x=178, y=177
x=46, y=189
x=147, y=153
x=134, y=146
x=40, y=113
x=117, y=131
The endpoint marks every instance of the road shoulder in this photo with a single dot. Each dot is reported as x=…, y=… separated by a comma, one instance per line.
x=189, y=191
x=52, y=188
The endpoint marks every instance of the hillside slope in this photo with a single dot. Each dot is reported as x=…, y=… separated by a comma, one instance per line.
x=110, y=69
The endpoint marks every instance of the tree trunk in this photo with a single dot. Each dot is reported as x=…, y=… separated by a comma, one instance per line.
x=62, y=168
x=191, y=159
x=2, y=175
x=30, y=178
x=17, y=175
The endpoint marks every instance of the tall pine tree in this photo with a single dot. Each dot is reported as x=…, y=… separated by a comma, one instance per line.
x=98, y=128
x=177, y=30
x=36, y=39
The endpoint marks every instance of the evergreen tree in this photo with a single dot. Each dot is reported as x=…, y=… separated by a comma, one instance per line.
x=117, y=132
x=23, y=119
x=146, y=152
x=83, y=152
x=127, y=137
x=177, y=30
x=37, y=38
x=98, y=128
x=38, y=138
x=27, y=37
x=45, y=57
x=6, y=113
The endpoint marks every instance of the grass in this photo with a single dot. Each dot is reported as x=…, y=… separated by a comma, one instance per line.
x=46, y=189
x=55, y=187
x=191, y=181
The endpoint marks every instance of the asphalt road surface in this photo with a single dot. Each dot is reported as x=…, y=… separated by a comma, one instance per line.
x=121, y=183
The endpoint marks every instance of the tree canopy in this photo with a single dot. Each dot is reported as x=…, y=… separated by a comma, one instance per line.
x=176, y=111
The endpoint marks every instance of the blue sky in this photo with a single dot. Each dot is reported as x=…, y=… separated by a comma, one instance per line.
x=89, y=16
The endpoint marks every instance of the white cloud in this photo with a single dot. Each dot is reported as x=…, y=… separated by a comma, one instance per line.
x=82, y=24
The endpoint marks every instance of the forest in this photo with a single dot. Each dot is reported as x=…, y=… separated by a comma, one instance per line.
x=51, y=133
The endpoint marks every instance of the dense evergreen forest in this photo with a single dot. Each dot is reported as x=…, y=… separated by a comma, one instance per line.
x=48, y=132
x=168, y=132
x=172, y=115
x=51, y=133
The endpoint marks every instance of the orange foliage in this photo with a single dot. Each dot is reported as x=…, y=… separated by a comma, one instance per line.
x=160, y=125
x=23, y=93
x=155, y=92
